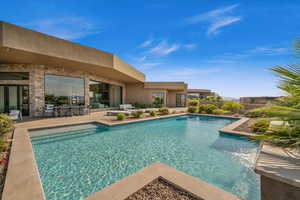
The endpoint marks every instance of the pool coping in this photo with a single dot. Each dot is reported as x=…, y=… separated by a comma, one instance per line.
x=273, y=162
x=22, y=159
x=134, y=182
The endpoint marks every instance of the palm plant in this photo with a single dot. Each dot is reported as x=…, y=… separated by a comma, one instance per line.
x=286, y=135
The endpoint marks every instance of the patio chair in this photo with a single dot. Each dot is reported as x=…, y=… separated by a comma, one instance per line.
x=49, y=109
x=15, y=115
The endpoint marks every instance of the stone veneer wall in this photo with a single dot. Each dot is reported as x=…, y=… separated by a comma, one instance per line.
x=272, y=189
x=36, y=82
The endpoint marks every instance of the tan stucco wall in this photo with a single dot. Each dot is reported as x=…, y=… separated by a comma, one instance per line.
x=138, y=93
x=21, y=45
x=36, y=82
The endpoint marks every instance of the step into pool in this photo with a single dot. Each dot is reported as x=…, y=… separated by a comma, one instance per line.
x=74, y=163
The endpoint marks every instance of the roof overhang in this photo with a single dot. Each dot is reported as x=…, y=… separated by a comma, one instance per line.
x=166, y=85
x=25, y=46
x=198, y=91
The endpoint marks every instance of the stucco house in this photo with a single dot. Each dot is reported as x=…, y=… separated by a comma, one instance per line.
x=38, y=69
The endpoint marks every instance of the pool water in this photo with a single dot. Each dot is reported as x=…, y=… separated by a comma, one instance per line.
x=77, y=163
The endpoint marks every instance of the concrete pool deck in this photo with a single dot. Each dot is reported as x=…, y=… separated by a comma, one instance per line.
x=23, y=176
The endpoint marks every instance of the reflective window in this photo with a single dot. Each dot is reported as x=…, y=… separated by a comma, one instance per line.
x=14, y=75
x=180, y=100
x=158, y=98
x=99, y=94
x=64, y=90
x=194, y=95
x=103, y=95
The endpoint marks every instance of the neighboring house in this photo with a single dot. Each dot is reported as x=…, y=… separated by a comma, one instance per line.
x=258, y=100
x=37, y=69
x=199, y=93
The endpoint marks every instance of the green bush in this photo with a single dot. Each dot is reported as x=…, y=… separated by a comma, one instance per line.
x=260, y=126
x=164, y=110
x=137, y=114
x=207, y=108
x=193, y=102
x=121, y=116
x=254, y=113
x=219, y=111
x=232, y=106
x=192, y=109
x=152, y=113
x=6, y=123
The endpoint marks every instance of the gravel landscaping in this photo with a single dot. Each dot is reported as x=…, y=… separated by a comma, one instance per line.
x=161, y=190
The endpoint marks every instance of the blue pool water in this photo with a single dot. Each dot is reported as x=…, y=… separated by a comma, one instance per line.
x=77, y=163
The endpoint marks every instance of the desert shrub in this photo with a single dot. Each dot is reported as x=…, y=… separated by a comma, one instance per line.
x=207, y=108
x=137, y=114
x=193, y=102
x=192, y=109
x=260, y=126
x=4, y=145
x=258, y=112
x=164, y=110
x=232, y=106
x=121, y=116
x=6, y=123
x=219, y=111
x=152, y=113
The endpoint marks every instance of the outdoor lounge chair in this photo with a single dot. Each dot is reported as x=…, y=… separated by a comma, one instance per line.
x=15, y=115
x=48, y=110
x=126, y=106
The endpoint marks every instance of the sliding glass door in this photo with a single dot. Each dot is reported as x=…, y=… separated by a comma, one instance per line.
x=14, y=97
x=180, y=100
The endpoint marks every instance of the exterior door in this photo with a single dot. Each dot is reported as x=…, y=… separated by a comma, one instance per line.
x=180, y=100
x=14, y=97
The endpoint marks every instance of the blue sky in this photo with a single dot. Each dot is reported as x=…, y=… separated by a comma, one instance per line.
x=227, y=46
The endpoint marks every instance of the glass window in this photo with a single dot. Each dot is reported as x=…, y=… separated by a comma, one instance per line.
x=64, y=90
x=14, y=75
x=103, y=95
x=180, y=100
x=158, y=98
x=99, y=94
x=115, y=95
x=193, y=95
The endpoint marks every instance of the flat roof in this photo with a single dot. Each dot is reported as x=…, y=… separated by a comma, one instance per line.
x=25, y=46
x=198, y=90
x=166, y=85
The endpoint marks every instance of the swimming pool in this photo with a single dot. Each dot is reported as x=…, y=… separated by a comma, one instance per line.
x=76, y=163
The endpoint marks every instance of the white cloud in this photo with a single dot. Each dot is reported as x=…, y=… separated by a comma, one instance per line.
x=188, y=72
x=213, y=29
x=216, y=19
x=70, y=28
x=189, y=46
x=164, y=48
x=146, y=43
x=259, y=51
x=150, y=64
x=269, y=50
